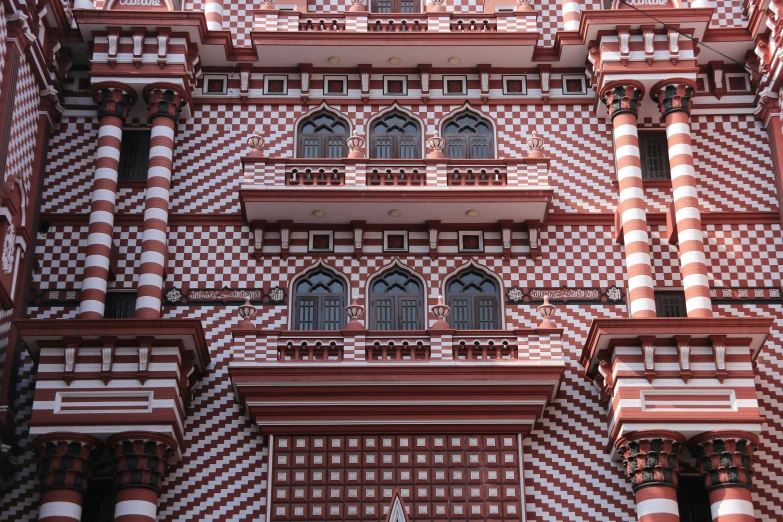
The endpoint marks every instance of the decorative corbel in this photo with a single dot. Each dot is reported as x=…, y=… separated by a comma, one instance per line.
x=113, y=45
x=534, y=237
x=684, y=356
x=258, y=236
x=244, y=80
x=107, y=357
x=594, y=59
x=358, y=238
x=305, y=72
x=624, y=38
x=71, y=353
x=673, y=38
x=484, y=74
x=285, y=237
x=365, y=71
x=719, y=351
x=648, y=37
x=425, y=73
x=433, y=226
x=145, y=347
x=506, y=227
x=138, y=45
x=607, y=390
x=164, y=33
x=545, y=73
x=648, y=354
x=718, y=78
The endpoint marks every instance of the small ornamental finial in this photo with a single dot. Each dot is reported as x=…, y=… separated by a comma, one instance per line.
x=354, y=311
x=355, y=145
x=436, y=6
x=547, y=311
x=436, y=143
x=255, y=141
x=441, y=312
x=524, y=5
x=357, y=5
x=247, y=312
x=268, y=5
x=535, y=143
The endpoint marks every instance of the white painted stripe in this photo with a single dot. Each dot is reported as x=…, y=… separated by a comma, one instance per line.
x=695, y=256
x=108, y=152
x=106, y=173
x=214, y=26
x=695, y=280
x=109, y=130
x=677, y=128
x=101, y=216
x=631, y=193
x=633, y=236
x=571, y=25
x=148, y=279
x=642, y=304
x=640, y=281
x=683, y=169
x=99, y=238
x=90, y=306
x=689, y=234
x=135, y=507
x=637, y=258
x=156, y=213
x=626, y=150
x=699, y=303
x=159, y=172
x=97, y=260
x=152, y=257
x=157, y=192
x=147, y=302
x=633, y=214
x=94, y=283
x=684, y=191
x=656, y=505
x=687, y=213
x=60, y=509
x=160, y=151
x=104, y=195
x=731, y=507
x=162, y=130
x=629, y=171
x=680, y=149
x=625, y=130
x=154, y=234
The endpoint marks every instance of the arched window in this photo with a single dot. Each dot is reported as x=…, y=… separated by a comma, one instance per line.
x=323, y=135
x=396, y=6
x=468, y=136
x=473, y=298
x=396, y=135
x=396, y=301
x=319, y=301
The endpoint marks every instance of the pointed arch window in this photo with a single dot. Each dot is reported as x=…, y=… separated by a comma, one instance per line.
x=322, y=135
x=468, y=136
x=395, y=136
x=396, y=6
x=396, y=301
x=319, y=301
x=474, y=300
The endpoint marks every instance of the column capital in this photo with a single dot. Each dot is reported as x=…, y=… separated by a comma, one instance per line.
x=65, y=460
x=673, y=95
x=164, y=99
x=114, y=99
x=622, y=97
x=725, y=458
x=651, y=457
x=140, y=459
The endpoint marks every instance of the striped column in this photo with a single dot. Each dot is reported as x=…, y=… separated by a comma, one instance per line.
x=726, y=462
x=571, y=14
x=651, y=461
x=140, y=465
x=622, y=102
x=213, y=10
x=113, y=106
x=164, y=108
x=674, y=103
x=64, y=465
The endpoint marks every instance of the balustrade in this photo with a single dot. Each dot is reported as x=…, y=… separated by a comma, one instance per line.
x=391, y=351
x=477, y=177
x=474, y=26
x=398, y=26
x=304, y=351
x=311, y=176
x=484, y=351
x=321, y=25
x=396, y=178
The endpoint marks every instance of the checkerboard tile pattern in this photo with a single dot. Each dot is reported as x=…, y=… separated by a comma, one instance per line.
x=749, y=254
x=3, y=40
x=728, y=13
x=21, y=146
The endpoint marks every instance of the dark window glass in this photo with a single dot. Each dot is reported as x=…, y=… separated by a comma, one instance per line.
x=120, y=305
x=396, y=302
x=473, y=298
x=319, y=301
x=693, y=500
x=134, y=154
x=323, y=135
x=654, y=152
x=395, y=136
x=99, y=501
x=396, y=6
x=468, y=136
x=670, y=304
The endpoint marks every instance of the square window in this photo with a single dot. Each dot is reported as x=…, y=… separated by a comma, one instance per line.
x=276, y=84
x=336, y=85
x=455, y=85
x=321, y=241
x=395, y=85
x=471, y=241
x=515, y=85
x=654, y=155
x=395, y=240
x=215, y=84
x=737, y=82
x=574, y=85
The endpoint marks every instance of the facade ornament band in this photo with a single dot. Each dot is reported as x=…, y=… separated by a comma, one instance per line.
x=620, y=99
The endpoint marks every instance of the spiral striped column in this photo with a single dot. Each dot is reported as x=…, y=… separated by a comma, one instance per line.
x=140, y=461
x=164, y=109
x=651, y=462
x=674, y=103
x=725, y=461
x=64, y=466
x=571, y=14
x=622, y=102
x=213, y=10
x=113, y=106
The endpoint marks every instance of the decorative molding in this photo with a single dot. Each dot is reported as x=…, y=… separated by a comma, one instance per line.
x=174, y=296
x=565, y=295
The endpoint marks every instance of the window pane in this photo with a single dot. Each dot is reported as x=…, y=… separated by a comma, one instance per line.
x=670, y=304
x=306, y=313
x=134, y=155
x=335, y=147
x=383, y=6
x=120, y=305
x=383, y=148
x=486, y=314
x=310, y=148
x=459, y=314
x=332, y=314
x=455, y=148
x=479, y=148
x=654, y=154
x=410, y=314
x=383, y=313
x=407, y=149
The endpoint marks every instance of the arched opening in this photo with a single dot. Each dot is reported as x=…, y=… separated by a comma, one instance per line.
x=468, y=136
x=322, y=135
x=395, y=6
x=319, y=301
x=395, y=135
x=396, y=301
x=474, y=299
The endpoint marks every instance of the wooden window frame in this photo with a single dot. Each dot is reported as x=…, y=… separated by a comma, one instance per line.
x=397, y=301
x=113, y=300
x=130, y=169
x=473, y=313
x=693, y=499
x=468, y=140
x=661, y=306
x=320, y=301
x=644, y=137
x=396, y=7
x=395, y=146
x=322, y=139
